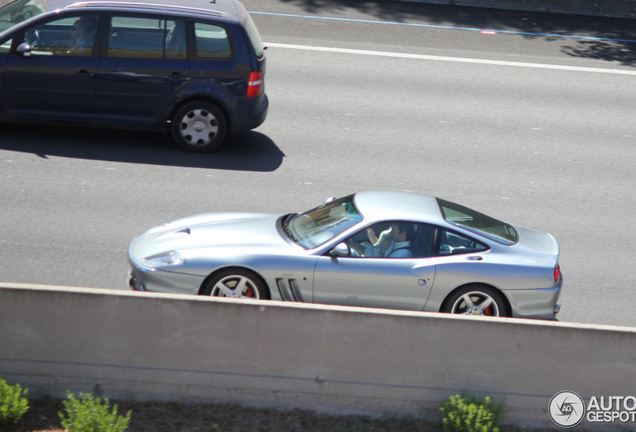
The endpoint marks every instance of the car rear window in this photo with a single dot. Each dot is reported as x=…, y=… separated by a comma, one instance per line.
x=478, y=222
x=254, y=36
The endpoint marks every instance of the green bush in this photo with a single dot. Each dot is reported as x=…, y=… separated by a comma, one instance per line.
x=13, y=403
x=90, y=414
x=469, y=413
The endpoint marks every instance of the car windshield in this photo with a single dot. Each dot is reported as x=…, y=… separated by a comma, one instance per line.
x=14, y=12
x=319, y=225
x=478, y=223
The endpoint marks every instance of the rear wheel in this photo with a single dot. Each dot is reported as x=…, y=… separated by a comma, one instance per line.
x=199, y=127
x=476, y=300
x=236, y=283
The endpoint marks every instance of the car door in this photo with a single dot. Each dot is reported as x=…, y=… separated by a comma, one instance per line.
x=144, y=65
x=54, y=79
x=402, y=283
x=5, y=49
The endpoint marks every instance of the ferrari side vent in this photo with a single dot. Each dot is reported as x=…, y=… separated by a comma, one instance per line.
x=289, y=291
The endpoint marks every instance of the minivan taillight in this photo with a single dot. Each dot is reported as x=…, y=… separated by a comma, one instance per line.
x=557, y=272
x=255, y=85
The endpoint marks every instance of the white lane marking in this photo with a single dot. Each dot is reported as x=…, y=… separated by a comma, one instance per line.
x=450, y=59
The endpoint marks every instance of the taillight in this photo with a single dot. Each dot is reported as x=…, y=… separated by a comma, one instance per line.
x=557, y=272
x=255, y=85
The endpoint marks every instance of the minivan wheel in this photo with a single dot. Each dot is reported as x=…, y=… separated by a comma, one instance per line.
x=199, y=127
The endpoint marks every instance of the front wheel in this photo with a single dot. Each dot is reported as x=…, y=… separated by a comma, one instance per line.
x=476, y=300
x=199, y=127
x=236, y=283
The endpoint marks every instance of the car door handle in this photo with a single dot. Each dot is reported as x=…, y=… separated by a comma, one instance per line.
x=85, y=73
x=177, y=76
x=476, y=258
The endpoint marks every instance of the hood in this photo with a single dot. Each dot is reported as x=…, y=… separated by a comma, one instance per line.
x=225, y=230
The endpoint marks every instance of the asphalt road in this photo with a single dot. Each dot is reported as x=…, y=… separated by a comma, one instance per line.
x=526, y=117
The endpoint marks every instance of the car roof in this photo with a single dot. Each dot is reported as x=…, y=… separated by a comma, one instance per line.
x=395, y=205
x=227, y=8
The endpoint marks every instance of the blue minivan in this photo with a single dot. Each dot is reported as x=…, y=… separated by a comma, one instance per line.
x=195, y=70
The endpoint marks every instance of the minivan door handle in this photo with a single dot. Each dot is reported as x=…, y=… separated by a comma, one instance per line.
x=85, y=73
x=177, y=76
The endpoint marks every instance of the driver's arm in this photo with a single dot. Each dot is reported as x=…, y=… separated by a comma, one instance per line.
x=356, y=247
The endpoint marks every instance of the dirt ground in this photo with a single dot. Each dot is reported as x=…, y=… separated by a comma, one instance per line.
x=174, y=417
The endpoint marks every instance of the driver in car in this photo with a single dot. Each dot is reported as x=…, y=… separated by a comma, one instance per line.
x=82, y=36
x=397, y=247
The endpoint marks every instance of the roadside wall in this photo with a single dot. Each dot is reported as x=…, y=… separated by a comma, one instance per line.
x=121, y=344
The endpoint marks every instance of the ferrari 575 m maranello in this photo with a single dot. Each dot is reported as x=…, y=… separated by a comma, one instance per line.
x=382, y=249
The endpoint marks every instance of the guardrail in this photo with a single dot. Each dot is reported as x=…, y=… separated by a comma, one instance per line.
x=145, y=346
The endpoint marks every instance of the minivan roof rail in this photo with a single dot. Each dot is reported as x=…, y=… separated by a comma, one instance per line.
x=150, y=6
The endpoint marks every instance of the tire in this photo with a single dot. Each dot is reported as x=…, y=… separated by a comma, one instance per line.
x=199, y=127
x=476, y=300
x=228, y=282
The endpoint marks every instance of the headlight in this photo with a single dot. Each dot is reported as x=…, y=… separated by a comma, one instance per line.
x=164, y=259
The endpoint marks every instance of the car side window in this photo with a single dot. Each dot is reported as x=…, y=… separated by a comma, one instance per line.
x=176, y=47
x=452, y=243
x=145, y=37
x=413, y=240
x=211, y=42
x=5, y=47
x=74, y=36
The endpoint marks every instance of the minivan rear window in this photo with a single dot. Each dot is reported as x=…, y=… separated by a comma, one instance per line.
x=255, y=38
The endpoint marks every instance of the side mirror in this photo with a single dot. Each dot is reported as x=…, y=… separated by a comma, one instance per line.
x=328, y=200
x=24, y=49
x=340, y=250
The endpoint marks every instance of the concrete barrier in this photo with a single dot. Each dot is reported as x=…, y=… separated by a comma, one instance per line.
x=147, y=346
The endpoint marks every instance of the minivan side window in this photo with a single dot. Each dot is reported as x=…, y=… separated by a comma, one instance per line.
x=150, y=38
x=211, y=42
x=6, y=46
x=71, y=36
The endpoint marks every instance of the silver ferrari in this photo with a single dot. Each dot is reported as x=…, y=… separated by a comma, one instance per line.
x=382, y=249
